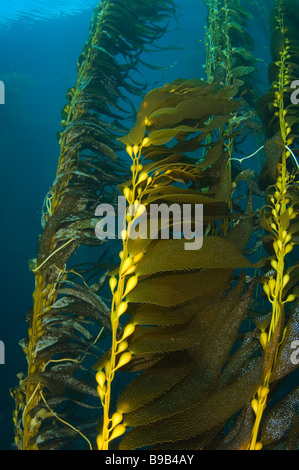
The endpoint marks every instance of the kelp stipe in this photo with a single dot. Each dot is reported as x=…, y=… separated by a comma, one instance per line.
x=182, y=313
x=280, y=220
x=229, y=60
x=229, y=45
x=280, y=118
x=69, y=315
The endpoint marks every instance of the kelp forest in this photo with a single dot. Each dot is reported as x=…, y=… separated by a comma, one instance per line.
x=139, y=343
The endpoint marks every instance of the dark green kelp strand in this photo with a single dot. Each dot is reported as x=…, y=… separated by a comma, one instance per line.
x=68, y=313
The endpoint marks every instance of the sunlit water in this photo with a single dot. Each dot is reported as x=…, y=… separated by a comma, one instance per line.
x=36, y=10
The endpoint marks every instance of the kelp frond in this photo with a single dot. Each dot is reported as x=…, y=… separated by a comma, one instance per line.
x=69, y=315
x=170, y=300
x=279, y=219
x=230, y=47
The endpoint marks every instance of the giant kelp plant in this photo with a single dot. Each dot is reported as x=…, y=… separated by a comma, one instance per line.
x=169, y=345
x=68, y=314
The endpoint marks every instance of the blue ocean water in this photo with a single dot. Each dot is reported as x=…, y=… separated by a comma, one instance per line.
x=40, y=42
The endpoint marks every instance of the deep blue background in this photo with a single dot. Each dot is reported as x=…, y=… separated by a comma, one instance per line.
x=38, y=64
